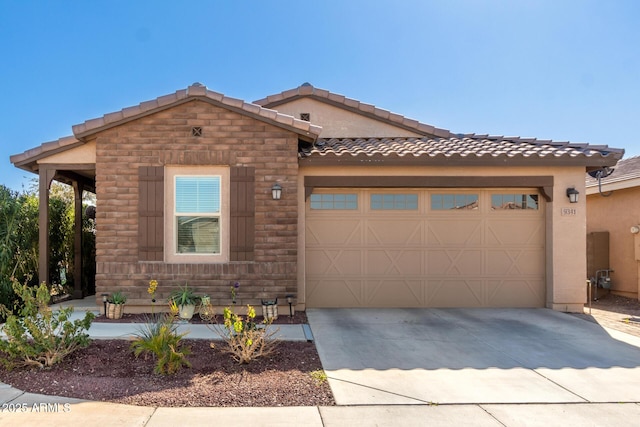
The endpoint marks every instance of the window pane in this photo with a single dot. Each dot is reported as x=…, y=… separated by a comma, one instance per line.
x=394, y=201
x=334, y=201
x=198, y=234
x=454, y=201
x=197, y=194
x=514, y=201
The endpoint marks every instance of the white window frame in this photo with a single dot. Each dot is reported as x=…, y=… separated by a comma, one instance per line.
x=170, y=223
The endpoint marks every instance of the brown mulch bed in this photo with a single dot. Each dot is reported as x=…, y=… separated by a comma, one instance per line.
x=108, y=371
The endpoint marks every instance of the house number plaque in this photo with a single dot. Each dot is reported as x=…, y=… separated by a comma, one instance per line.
x=569, y=212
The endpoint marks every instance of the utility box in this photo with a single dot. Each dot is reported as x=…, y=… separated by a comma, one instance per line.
x=597, y=252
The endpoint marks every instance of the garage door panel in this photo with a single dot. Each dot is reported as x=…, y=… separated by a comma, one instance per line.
x=334, y=262
x=454, y=231
x=516, y=293
x=394, y=262
x=334, y=231
x=514, y=262
x=460, y=262
x=394, y=233
x=335, y=293
x=526, y=232
x=455, y=293
x=395, y=293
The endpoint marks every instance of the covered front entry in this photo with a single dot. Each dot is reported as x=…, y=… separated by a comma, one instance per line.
x=425, y=248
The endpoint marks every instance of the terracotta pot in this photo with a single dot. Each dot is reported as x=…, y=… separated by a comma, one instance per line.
x=114, y=311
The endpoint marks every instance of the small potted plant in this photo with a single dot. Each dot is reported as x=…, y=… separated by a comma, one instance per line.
x=115, y=305
x=186, y=300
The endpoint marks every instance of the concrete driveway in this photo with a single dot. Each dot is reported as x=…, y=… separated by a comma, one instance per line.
x=478, y=356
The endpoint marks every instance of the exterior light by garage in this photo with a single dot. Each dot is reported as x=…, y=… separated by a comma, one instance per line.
x=276, y=191
x=572, y=194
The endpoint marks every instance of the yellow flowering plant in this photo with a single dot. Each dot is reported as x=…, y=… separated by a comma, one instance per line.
x=153, y=285
x=246, y=340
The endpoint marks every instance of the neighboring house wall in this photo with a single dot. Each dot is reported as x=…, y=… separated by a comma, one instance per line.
x=617, y=214
x=229, y=140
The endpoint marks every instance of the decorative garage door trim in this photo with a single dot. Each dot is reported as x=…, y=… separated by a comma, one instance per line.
x=543, y=183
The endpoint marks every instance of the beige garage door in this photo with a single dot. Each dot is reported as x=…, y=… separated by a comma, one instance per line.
x=425, y=248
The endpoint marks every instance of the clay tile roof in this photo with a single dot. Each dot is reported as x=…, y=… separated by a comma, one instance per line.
x=195, y=91
x=460, y=147
x=307, y=90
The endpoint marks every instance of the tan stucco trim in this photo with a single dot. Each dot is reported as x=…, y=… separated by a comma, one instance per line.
x=85, y=153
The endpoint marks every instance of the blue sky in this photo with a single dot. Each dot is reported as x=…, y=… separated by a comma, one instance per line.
x=551, y=69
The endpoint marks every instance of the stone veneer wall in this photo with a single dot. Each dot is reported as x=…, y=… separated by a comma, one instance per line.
x=228, y=139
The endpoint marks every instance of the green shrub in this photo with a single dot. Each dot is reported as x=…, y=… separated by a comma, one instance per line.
x=37, y=335
x=158, y=336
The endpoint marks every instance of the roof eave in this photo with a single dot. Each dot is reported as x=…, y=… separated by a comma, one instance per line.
x=28, y=160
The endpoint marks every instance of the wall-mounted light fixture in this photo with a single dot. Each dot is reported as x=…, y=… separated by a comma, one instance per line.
x=572, y=194
x=276, y=191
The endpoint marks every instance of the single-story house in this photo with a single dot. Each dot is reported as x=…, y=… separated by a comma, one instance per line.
x=373, y=210
x=613, y=226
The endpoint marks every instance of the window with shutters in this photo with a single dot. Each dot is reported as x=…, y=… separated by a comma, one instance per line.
x=197, y=214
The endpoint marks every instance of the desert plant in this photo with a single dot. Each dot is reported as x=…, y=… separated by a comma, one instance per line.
x=246, y=340
x=118, y=298
x=38, y=336
x=184, y=296
x=159, y=337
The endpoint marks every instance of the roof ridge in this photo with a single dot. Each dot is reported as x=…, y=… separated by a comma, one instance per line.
x=195, y=91
x=307, y=89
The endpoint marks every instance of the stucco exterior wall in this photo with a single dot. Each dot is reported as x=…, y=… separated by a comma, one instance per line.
x=339, y=123
x=228, y=139
x=565, y=230
x=617, y=214
x=85, y=153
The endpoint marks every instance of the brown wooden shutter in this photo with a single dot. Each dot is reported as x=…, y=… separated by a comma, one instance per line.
x=151, y=213
x=242, y=207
